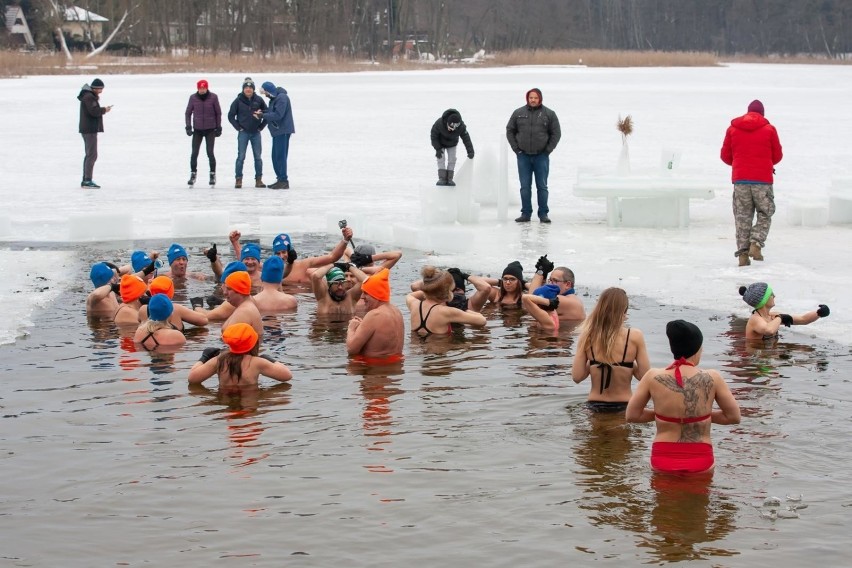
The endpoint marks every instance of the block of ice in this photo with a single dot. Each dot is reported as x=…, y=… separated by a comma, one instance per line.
x=670, y=159
x=659, y=212
x=100, y=226
x=5, y=226
x=794, y=215
x=814, y=216
x=273, y=225
x=438, y=205
x=406, y=236
x=187, y=224
x=448, y=239
x=839, y=210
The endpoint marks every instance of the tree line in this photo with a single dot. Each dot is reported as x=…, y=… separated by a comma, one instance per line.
x=450, y=28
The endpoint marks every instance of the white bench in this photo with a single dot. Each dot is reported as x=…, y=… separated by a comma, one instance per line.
x=654, y=200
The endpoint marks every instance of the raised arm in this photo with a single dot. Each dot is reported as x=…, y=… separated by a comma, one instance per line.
x=482, y=293
x=234, y=237
x=269, y=367
x=205, y=367
x=335, y=254
x=318, y=283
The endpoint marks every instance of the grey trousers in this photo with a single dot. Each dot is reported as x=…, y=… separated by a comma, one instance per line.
x=450, y=155
x=90, y=142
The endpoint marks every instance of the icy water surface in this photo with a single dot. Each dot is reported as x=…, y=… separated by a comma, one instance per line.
x=476, y=451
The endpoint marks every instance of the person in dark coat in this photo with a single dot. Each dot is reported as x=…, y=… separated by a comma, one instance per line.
x=91, y=122
x=279, y=117
x=242, y=117
x=204, y=114
x=445, y=137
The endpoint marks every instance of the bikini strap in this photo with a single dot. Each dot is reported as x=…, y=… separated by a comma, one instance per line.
x=676, y=365
x=626, y=344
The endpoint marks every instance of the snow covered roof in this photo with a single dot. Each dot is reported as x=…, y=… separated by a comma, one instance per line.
x=78, y=14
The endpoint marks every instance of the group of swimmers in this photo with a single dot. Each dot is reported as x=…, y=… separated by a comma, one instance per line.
x=355, y=282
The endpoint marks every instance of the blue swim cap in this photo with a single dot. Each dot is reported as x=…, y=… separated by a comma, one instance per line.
x=175, y=252
x=101, y=274
x=250, y=250
x=232, y=267
x=548, y=291
x=160, y=307
x=282, y=243
x=273, y=270
x=139, y=260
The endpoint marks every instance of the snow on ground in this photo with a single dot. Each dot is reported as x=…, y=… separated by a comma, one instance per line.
x=361, y=151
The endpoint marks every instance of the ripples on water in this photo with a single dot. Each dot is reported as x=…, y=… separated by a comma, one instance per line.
x=477, y=449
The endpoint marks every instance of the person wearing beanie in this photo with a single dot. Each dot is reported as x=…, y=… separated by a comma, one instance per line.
x=752, y=148
x=157, y=332
x=203, y=118
x=230, y=366
x=279, y=118
x=131, y=290
x=380, y=334
x=428, y=307
x=271, y=299
x=683, y=395
x=249, y=254
x=334, y=296
x=102, y=301
x=180, y=314
x=549, y=312
x=533, y=133
x=483, y=288
x=764, y=323
x=179, y=262
x=244, y=117
x=91, y=123
x=445, y=138
x=238, y=296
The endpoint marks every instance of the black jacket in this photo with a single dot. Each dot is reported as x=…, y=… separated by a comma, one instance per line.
x=241, y=113
x=443, y=138
x=533, y=130
x=91, y=112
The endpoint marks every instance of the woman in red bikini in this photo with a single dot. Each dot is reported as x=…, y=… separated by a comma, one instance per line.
x=683, y=397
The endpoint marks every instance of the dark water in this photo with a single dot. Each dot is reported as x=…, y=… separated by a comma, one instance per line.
x=477, y=451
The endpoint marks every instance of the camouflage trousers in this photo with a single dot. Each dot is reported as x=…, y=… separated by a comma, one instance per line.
x=751, y=198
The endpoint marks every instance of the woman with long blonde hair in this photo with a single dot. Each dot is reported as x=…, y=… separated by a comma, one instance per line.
x=610, y=352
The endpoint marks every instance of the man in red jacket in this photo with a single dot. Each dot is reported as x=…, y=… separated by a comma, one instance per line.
x=752, y=147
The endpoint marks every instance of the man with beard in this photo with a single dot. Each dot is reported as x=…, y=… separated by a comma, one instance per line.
x=333, y=297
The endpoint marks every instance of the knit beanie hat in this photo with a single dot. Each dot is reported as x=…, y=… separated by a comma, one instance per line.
x=269, y=88
x=378, y=286
x=454, y=119
x=273, y=270
x=239, y=282
x=101, y=274
x=282, y=243
x=757, y=294
x=250, y=250
x=248, y=83
x=175, y=252
x=515, y=269
x=139, y=260
x=132, y=287
x=538, y=92
x=160, y=307
x=162, y=285
x=97, y=84
x=685, y=338
x=240, y=338
x=756, y=106
x=365, y=249
x=202, y=84
x=548, y=291
x=335, y=275
x=231, y=267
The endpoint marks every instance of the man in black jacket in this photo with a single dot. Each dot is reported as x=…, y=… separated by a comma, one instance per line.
x=533, y=133
x=242, y=116
x=445, y=137
x=91, y=122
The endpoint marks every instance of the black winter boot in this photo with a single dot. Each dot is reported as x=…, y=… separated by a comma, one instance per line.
x=450, y=174
x=442, y=177
x=191, y=181
x=212, y=178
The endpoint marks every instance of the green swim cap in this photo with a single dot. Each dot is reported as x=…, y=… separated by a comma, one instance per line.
x=335, y=275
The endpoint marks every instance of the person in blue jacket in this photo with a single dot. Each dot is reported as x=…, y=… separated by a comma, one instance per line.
x=242, y=117
x=279, y=118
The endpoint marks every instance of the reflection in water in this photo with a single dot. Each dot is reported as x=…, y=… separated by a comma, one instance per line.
x=378, y=388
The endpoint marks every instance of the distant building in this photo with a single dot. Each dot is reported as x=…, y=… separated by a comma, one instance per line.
x=83, y=25
x=17, y=25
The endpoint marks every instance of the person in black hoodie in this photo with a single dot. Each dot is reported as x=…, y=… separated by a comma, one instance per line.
x=242, y=116
x=445, y=137
x=91, y=122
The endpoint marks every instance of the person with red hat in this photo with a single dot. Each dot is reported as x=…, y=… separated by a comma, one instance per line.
x=381, y=332
x=203, y=119
x=239, y=366
x=752, y=148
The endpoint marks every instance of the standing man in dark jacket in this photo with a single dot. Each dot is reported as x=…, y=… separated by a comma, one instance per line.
x=279, y=117
x=242, y=117
x=204, y=113
x=91, y=122
x=752, y=147
x=445, y=136
x=533, y=133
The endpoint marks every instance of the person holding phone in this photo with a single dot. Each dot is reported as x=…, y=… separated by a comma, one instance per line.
x=91, y=123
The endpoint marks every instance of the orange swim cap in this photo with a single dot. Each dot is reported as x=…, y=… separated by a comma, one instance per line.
x=131, y=288
x=240, y=337
x=378, y=286
x=162, y=285
x=239, y=282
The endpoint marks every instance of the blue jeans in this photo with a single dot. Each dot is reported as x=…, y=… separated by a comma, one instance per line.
x=280, y=149
x=529, y=165
x=243, y=139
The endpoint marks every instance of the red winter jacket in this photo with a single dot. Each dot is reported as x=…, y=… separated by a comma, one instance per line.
x=752, y=147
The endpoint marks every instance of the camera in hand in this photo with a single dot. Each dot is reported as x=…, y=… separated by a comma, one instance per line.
x=342, y=223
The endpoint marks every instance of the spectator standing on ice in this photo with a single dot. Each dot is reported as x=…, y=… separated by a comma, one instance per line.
x=91, y=122
x=279, y=118
x=445, y=138
x=242, y=116
x=533, y=133
x=752, y=147
x=203, y=119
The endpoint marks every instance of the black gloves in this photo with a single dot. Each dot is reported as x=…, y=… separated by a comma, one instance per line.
x=197, y=302
x=267, y=357
x=360, y=259
x=544, y=265
x=145, y=298
x=209, y=353
x=459, y=277
x=150, y=268
x=470, y=155
x=344, y=266
x=189, y=131
x=554, y=303
x=214, y=301
x=218, y=131
x=115, y=287
x=823, y=311
x=211, y=253
x=786, y=319
x=111, y=265
x=439, y=154
x=291, y=256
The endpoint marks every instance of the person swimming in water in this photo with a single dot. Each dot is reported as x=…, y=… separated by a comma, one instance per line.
x=610, y=352
x=156, y=331
x=430, y=314
x=683, y=397
x=763, y=322
x=180, y=314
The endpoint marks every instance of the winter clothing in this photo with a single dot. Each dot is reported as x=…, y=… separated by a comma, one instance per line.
x=756, y=106
x=279, y=117
x=241, y=113
x=752, y=147
x=757, y=294
x=751, y=199
x=97, y=84
x=203, y=111
x=91, y=122
x=685, y=339
x=442, y=137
